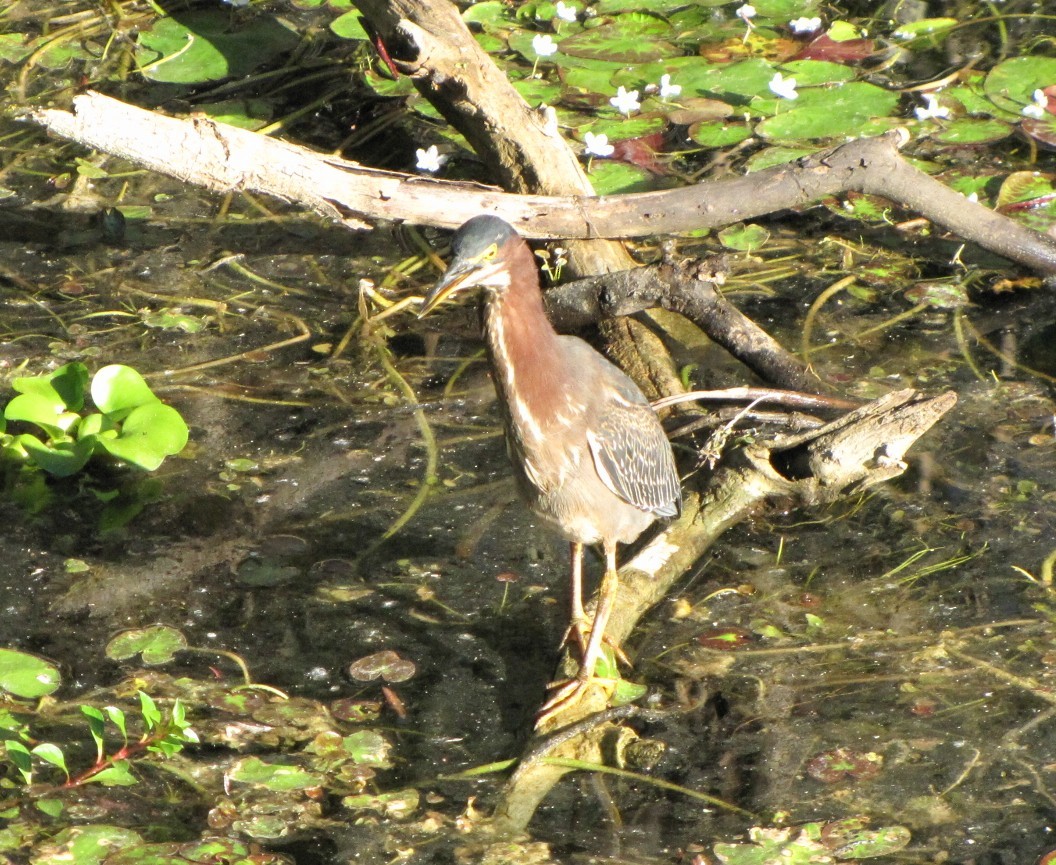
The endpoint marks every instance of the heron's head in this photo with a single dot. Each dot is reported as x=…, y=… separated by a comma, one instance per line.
x=481, y=253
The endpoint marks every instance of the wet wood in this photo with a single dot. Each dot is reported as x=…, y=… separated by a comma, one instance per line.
x=223, y=158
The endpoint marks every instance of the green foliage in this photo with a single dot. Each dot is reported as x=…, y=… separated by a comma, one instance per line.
x=132, y=424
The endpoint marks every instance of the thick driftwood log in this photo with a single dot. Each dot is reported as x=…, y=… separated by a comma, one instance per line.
x=865, y=447
x=223, y=158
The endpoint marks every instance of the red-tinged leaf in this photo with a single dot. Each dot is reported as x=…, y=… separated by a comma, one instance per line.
x=641, y=152
x=825, y=48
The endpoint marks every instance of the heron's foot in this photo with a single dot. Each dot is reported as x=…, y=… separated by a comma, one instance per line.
x=579, y=632
x=567, y=692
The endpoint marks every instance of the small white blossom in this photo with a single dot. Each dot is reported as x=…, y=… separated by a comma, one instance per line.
x=597, y=145
x=783, y=87
x=974, y=197
x=931, y=110
x=805, y=25
x=625, y=102
x=565, y=13
x=543, y=44
x=667, y=89
x=1039, y=107
x=429, y=160
x=745, y=12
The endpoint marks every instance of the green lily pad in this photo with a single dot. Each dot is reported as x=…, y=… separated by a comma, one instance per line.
x=156, y=643
x=972, y=130
x=210, y=44
x=26, y=675
x=635, y=37
x=744, y=238
x=717, y=133
x=608, y=178
x=368, y=748
x=837, y=112
x=1011, y=85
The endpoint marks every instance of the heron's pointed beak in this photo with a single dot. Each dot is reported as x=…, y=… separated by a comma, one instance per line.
x=455, y=277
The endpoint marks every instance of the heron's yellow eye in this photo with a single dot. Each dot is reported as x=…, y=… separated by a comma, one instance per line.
x=490, y=253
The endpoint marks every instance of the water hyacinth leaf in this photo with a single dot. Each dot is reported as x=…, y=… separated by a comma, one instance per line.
x=60, y=459
x=46, y=411
x=156, y=643
x=117, y=388
x=209, y=44
x=68, y=382
x=149, y=435
x=27, y=676
x=273, y=776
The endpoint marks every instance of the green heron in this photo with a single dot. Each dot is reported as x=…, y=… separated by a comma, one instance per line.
x=588, y=452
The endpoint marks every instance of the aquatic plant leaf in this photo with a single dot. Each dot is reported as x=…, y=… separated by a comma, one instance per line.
x=46, y=411
x=85, y=845
x=60, y=459
x=744, y=238
x=609, y=178
x=156, y=643
x=368, y=748
x=149, y=434
x=117, y=775
x=273, y=776
x=117, y=388
x=26, y=675
x=349, y=26
x=972, y=130
x=208, y=44
x=1011, y=85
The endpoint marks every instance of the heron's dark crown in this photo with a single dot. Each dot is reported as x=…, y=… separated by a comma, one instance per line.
x=473, y=238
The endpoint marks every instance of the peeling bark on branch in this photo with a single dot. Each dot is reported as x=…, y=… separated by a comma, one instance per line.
x=224, y=158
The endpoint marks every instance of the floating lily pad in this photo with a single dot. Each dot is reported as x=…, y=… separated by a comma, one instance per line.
x=84, y=845
x=608, y=178
x=1011, y=85
x=744, y=238
x=385, y=665
x=631, y=38
x=156, y=643
x=719, y=134
x=273, y=776
x=972, y=130
x=210, y=44
x=26, y=675
x=836, y=112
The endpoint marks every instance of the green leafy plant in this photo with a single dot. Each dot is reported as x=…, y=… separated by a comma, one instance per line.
x=131, y=424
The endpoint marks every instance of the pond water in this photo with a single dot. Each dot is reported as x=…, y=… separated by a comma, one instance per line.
x=889, y=657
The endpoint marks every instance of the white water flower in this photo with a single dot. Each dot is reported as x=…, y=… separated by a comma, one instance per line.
x=543, y=44
x=805, y=25
x=667, y=89
x=783, y=87
x=565, y=13
x=597, y=145
x=429, y=160
x=1039, y=107
x=625, y=102
x=931, y=110
x=745, y=12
